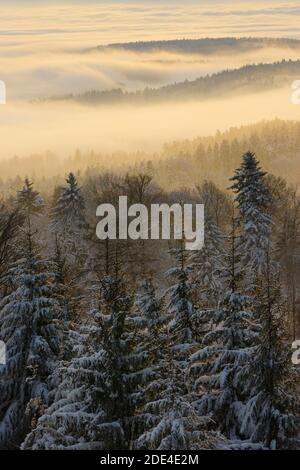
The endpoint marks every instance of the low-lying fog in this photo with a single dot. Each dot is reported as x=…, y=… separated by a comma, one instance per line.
x=63, y=127
x=49, y=48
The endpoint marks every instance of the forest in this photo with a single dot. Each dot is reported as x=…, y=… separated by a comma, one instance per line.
x=140, y=344
x=209, y=45
x=249, y=78
x=177, y=164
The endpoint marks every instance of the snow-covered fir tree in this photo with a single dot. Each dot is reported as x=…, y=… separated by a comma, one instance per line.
x=168, y=419
x=173, y=423
x=28, y=330
x=150, y=309
x=180, y=305
x=271, y=416
x=10, y=222
x=68, y=212
x=217, y=369
x=253, y=199
x=97, y=400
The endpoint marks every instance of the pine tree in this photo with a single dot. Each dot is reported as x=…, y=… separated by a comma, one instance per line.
x=27, y=328
x=271, y=416
x=253, y=199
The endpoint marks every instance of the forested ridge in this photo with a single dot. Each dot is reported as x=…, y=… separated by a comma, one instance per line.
x=246, y=79
x=206, y=45
x=182, y=163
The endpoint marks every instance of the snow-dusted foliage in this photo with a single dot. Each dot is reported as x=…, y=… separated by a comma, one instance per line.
x=100, y=360
x=68, y=213
x=150, y=309
x=180, y=305
x=208, y=266
x=169, y=419
x=27, y=328
x=97, y=400
x=218, y=367
x=176, y=425
x=253, y=199
x=271, y=416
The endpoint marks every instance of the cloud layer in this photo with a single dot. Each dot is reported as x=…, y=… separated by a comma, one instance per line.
x=42, y=43
x=48, y=48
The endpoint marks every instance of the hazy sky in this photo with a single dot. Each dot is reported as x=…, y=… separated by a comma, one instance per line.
x=89, y=22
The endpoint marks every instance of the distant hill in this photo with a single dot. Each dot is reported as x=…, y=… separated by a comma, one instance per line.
x=247, y=79
x=206, y=46
x=179, y=164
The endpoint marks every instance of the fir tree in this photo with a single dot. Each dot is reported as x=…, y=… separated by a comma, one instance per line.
x=218, y=368
x=10, y=222
x=68, y=213
x=150, y=309
x=169, y=417
x=180, y=305
x=253, y=199
x=96, y=403
x=271, y=416
x=29, y=200
x=27, y=328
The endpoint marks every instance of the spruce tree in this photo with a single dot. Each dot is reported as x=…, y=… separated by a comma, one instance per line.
x=100, y=392
x=173, y=422
x=180, y=305
x=27, y=328
x=168, y=419
x=150, y=309
x=68, y=213
x=29, y=200
x=217, y=369
x=271, y=416
x=253, y=199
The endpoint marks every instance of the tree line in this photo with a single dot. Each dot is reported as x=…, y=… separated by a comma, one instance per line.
x=103, y=352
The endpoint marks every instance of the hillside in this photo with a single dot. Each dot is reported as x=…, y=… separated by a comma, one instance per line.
x=246, y=79
x=206, y=46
